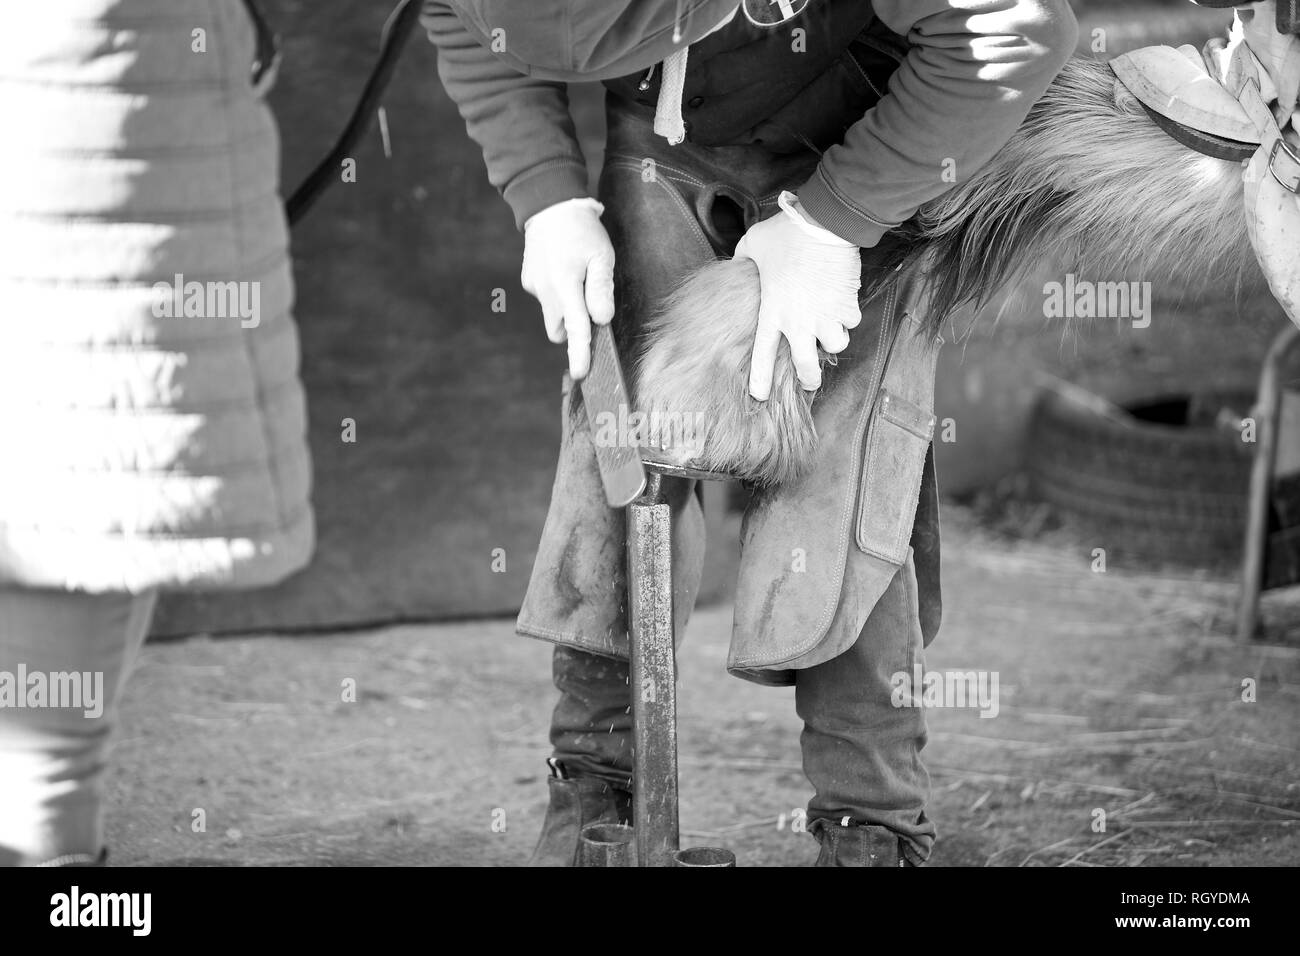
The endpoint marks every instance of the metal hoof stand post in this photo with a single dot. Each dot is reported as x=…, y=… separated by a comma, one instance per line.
x=653, y=675
x=654, y=837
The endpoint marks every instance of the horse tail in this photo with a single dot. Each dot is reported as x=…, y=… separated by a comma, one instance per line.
x=1088, y=182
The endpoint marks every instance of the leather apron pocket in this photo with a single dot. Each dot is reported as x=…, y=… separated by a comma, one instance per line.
x=898, y=438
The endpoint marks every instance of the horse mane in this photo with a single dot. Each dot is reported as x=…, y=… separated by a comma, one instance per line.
x=1089, y=184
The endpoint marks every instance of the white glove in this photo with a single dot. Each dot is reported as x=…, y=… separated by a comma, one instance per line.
x=809, y=279
x=569, y=268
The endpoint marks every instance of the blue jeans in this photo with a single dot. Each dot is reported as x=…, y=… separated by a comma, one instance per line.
x=668, y=209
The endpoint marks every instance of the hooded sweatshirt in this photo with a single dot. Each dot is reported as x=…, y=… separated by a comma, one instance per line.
x=964, y=77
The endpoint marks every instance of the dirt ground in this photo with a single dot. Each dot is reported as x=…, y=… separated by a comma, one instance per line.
x=1119, y=692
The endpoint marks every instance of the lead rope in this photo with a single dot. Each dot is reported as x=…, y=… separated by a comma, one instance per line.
x=1283, y=161
x=398, y=28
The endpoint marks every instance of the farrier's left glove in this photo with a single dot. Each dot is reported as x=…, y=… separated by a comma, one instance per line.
x=569, y=268
x=809, y=279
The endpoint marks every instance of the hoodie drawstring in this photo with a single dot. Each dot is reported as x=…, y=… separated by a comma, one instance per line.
x=668, y=111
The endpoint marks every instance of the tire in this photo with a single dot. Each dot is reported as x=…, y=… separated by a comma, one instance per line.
x=1157, y=492
x=1286, y=503
x=1282, y=564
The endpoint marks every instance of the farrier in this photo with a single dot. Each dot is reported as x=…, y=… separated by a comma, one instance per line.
x=796, y=133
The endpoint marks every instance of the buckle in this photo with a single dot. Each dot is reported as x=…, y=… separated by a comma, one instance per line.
x=1293, y=185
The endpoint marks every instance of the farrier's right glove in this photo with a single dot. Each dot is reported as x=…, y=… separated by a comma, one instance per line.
x=808, y=293
x=569, y=268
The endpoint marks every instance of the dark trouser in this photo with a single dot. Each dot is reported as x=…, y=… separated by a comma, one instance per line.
x=668, y=209
x=861, y=754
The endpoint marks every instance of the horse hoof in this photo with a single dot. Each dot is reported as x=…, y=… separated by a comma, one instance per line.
x=691, y=383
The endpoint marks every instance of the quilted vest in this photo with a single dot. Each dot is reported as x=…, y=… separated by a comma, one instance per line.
x=154, y=428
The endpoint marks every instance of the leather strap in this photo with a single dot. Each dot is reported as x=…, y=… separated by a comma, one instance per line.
x=1283, y=162
x=1159, y=86
x=1207, y=143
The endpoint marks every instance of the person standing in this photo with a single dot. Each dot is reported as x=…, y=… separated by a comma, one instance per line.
x=155, y=425
x=797, y=133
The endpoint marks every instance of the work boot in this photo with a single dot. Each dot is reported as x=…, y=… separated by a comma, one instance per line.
x=845, y=844
x=575, y=803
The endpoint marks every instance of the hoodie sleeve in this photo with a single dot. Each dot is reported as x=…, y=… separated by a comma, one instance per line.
x=974, y=69
x=522, y=124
